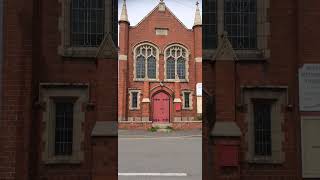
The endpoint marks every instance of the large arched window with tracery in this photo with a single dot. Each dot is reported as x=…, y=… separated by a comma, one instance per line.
x=146, y=62
x=176, y=62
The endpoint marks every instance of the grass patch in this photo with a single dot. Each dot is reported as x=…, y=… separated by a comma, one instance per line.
x=169, y=128
x=154, y=129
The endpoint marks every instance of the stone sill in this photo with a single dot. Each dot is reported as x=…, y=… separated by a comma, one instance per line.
x=61, y=161
x=187, y=121
x=264, y=161
x=128, y=122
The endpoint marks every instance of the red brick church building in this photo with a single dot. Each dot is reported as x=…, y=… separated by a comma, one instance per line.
x=160, y=67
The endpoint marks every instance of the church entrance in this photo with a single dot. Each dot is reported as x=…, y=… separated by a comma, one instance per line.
x=161, y=108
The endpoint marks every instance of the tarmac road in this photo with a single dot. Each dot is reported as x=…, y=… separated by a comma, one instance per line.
x=156, y=156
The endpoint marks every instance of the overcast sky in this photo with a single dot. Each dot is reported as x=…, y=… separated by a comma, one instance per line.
x=183, y=9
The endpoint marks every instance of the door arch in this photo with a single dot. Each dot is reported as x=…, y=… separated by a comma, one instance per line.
x=161, y=107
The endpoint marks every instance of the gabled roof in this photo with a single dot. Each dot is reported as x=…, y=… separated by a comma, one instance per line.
x=167, y=9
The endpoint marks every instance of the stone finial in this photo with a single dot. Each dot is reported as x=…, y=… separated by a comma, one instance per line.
x=124, y=14
x=162, y=6
x=197, y=18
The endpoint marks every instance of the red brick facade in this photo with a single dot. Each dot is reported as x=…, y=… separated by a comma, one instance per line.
x=31, y=58
x=293, y=41
x=148, y=32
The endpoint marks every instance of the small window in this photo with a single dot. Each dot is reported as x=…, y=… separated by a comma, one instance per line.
x=134, y=99
x=187, y=100
x=63, y=128
x=262, y=128
x=87, y=22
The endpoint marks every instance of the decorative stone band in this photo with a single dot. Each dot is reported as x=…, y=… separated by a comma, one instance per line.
x=198, y=59
x=123, y=57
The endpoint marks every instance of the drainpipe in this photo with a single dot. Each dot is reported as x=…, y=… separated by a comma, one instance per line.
x=1, y=46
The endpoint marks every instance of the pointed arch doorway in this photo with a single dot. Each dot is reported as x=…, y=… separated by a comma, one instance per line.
x=161, y=108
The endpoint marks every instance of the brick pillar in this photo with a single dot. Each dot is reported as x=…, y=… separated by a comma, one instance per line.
x=104, y=147
x=16, y=118
x=226, y=133
x=146, y=101
x=177, y=103
x=123, y=70
x=198, y=60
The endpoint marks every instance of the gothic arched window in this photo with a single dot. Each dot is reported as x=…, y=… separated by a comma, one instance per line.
x=176, y=63
x=146, y=62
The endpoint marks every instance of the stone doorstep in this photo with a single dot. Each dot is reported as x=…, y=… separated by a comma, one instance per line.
x=161, y=125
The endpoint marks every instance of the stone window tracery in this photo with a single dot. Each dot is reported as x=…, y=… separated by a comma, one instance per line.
x=176, y=63
x=146, y=62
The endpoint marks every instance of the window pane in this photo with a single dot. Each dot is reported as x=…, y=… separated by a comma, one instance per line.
x=140, y=67
x=87, y=22
x=152, y=67
x=134, y=99
x=181, y=67
x=241, y=23
x=209, y=24
x=262, y=128
x=186, y=99
x=64, y=128
x=170, y=68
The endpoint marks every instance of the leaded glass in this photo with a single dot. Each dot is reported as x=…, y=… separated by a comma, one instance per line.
x=209, y=24
x=240, y=21
x=181, y=68
x=170, y=68
x=87, y=22
x=134, y=99
x=262, y=128
x=176, y=59
x=140, y=67
x=186, y=99
x=146, y=54
x=152, y=67
x=63, y=128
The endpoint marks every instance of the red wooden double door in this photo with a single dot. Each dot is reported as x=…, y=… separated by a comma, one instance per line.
x=161, y=108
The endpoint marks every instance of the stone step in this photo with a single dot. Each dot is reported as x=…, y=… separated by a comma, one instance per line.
x=162, y=125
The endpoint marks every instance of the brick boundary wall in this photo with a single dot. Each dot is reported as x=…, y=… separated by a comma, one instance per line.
x=147, y=125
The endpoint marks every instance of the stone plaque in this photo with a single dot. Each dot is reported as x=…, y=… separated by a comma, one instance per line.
x=161, y=31
x=309, y=87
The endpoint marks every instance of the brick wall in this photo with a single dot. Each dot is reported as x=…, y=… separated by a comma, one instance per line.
x=279, y=70
x=31, y=57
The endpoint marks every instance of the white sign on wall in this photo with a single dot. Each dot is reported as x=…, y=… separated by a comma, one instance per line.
x=309, y=87
x=199, y=89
